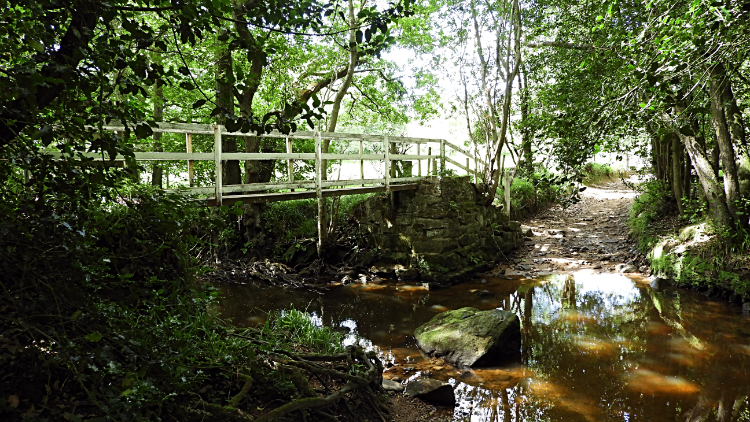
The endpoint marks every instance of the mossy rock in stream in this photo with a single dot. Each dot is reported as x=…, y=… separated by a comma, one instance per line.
x=470, y=337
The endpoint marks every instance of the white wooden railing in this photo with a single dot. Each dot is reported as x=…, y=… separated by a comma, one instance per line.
x=318, y=186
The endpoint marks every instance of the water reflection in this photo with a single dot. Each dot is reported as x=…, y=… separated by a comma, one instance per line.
x=596, y=347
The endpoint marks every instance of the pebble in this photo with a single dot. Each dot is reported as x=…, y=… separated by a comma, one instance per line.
x=437, y=368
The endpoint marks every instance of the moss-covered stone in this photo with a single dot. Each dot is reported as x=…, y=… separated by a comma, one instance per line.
x=443, y=227
x=470, y=337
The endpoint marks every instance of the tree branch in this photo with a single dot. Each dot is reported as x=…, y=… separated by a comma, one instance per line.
x=568, y=45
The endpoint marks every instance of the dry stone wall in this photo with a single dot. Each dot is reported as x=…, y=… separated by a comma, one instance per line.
x=440, y=232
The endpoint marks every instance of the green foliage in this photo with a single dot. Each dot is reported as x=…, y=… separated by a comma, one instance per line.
x=532, y=194
x=293, y=328
x=105, y=298
x=596, y=173
x=653, y=202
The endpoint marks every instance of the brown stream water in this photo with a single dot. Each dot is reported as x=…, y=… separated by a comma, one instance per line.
x=596, y=347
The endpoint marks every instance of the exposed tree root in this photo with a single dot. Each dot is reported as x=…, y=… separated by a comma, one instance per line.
x=359, y=386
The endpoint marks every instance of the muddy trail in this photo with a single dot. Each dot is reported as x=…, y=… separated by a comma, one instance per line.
x=591, y=234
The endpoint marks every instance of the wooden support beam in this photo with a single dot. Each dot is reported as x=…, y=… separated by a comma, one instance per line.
x=189, y=149
x=322, y=228
x=442, y=155
x=361, y=162
x=419, y=163
x=289, y=163
x=217, y=163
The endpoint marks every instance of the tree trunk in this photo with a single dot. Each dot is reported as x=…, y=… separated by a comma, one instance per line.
x=717, y=85
x=737, y=132
x=225, y=100
x=712, y=188
x=345, y=84
x=516, y=19
x=677, y=153
x=156, y=176
x=687, y=189
x=528, y=158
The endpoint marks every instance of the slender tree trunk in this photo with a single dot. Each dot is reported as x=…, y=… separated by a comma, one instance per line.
x=712, y=187
x=225, y=100
x=677, y=181
x=726, y=149
x=523, y=86
x=156, y=176
x=736, y=126
x=687, y=189
x=516, y=19
x=345, y=84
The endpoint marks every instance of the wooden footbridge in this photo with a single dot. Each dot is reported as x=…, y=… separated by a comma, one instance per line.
x=301, y=189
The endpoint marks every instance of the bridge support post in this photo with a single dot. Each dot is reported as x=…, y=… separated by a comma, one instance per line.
x=387, y=149
x=217, y=162
x=442, y=155
x=322, y=228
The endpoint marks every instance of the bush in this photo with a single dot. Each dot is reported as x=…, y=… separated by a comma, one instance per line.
x=596, y=173
x=102, y=304
x=653, y=202
x=532, y=194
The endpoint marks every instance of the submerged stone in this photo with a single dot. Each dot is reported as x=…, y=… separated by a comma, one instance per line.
x=470, y=337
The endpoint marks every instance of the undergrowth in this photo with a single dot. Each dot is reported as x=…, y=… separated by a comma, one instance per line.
x=103, y=316
x=532, y=193
x=596, y=173
x=688, y=250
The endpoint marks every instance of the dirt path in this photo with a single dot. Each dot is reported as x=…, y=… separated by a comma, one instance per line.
x=590, y=234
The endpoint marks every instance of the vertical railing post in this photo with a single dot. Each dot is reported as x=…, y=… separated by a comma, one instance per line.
x=361, y=162
x=388, y=164
x=322, y=229
x=189, y=150
x=217, y=162
x=476, y=167
x=442, y=155
x=429, y=153
x=289, y=162
x=419, y=163
x=387, y=149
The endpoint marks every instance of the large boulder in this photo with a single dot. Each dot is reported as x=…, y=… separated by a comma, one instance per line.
x=470, y=337
x=433, y=391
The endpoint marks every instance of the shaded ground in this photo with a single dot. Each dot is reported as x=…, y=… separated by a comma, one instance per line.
x=590, y=234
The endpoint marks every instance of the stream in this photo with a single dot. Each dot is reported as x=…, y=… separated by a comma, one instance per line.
x=596, y=346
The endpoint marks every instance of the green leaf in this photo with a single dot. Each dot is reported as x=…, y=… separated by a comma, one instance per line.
x=36, y=45
x=359, y=36
x=198, y=104
x=187, y=85
x=94, y=337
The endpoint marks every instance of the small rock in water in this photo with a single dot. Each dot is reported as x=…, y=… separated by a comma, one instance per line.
x=408, y=369
x=433, y=391
x=390, y=385
x=396, y=379
x=659, y=283
x=484, y=280
x=438, y=368
x=746, y=308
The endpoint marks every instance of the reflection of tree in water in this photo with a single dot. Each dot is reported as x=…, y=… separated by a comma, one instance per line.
x=594, y=354
x=568, y=297
x=588, y=346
